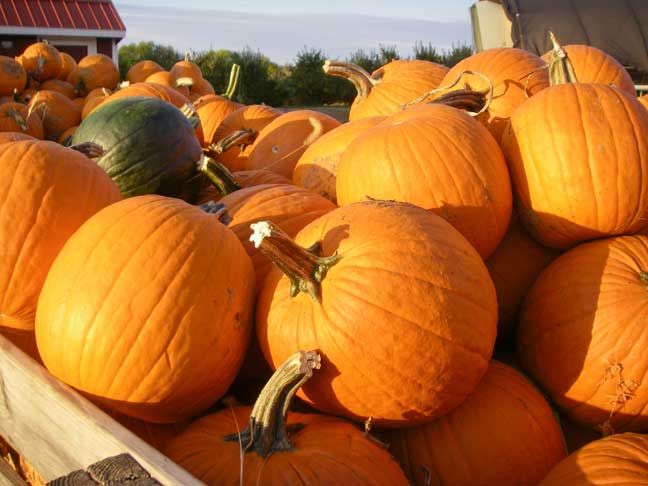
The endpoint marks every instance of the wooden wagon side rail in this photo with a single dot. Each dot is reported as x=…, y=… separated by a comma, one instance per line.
x=58, y=431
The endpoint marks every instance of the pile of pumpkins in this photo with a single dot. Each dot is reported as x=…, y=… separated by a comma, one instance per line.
x=207, y=262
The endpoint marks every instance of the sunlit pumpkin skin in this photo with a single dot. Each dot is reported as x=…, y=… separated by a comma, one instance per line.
x=6, y=137
x=151, y=300
x=290, y=207
x=57, y=111
x=438, y=158
x=15, y=117
x=514, y=267
x=582, y=333
x=212, y=114
x=46, y=192
x=42, y=61
x=62, y=87
x=94, y=71
x=167, y=79
x=389, y=87
x=281, y=143
x=149, y=146
x=317, y=168
x=13, y=77
x=202, y=88
x=253, y=118
x=579, y=174
x=244, y=178
x=90, y=105
x=406, y=282
x=504, y=433
x=139, y=71
x=617, y=460
x=511, y=70
x=150, y=90
x=592, y=65
x=68, y=64
x=186, y=69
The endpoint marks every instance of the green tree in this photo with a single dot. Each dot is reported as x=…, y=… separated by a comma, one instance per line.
x=388, y=54
x=427, y=53
x=369, y=61
x=457, y=53
x=130, y=54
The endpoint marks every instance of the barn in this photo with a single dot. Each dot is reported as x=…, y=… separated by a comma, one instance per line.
x=78, y=27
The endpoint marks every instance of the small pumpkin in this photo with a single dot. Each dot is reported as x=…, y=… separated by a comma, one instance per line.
x=16, y=117
x=186, y=69
x=66, y=136
x=278, y=446
x=139, y=71
x=42, y=61
x=68, y=64
x=150, y=90
x=13, y=78
x=201, y=88
x=167, y=79
x=212, y=113
x=94, y=71
x=62, y=87
x=57, y=111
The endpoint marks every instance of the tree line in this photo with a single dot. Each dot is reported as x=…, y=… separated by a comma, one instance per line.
x=300, y=83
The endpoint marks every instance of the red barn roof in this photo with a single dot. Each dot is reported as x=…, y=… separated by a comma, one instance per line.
x=78, y=15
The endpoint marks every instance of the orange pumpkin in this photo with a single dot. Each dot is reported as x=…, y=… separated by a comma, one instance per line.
x=62, y=87
x=505, y=430
x=317, y=168
x=68, y=64
x=282, y=142
x=167, y=79
x=392, y=275
x=578, y=173
x=142, y=70
x=279, y=447
x=388, y=87
x=66, y=136
x=6, y=137
x=212, y=113
x=150, y=90
x=515, y=74
x=94, y=71
x=79, y=103
x=160, y=301
x=582, y=331
x=92, y=103
x=42, y=61
x=57, y=111
x=438, y=158
x=616, y=460
x=16, y=117
x=13, y=78
x=186, y=69
x=45, y=189
x=201, y=88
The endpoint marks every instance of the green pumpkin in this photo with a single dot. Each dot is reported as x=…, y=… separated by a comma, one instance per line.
x=149, y=146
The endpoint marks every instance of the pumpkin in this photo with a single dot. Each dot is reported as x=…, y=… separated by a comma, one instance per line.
x=576, y=436
x=212, y=113
x=94, y=71
x=503, y=433
x=79, y=103
x=579, y=174
x=139, y=71
x=317, y=168
x=281, y=143
x=281, y=447
x=438, y=158
x=57, y=111
x=92, y=103
x=46, y=192
x=380, y=283
x=68, y=64
x=16, y=117
x=514, y=267
x=167, y=79
x=62, y=87
x=616, y=460
x=42, y=61
x=26, y=96
x=156, y=435
x=151, y=299
x=186, y=69
x=6, y=137
x=13, y=78
x=514, y=74
x=389, y=87
x=66, y=137
x=202, y=87
x=150, y=90
x=237, y=131
x=582, y=332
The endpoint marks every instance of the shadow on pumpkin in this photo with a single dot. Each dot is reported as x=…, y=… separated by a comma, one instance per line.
x=318, y=178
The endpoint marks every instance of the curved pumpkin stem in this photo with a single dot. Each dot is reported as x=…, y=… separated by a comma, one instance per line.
x=239, y=137
x=233, y=83
x=561, y=70
x=18, y=118
x=220, y=177
x=89, y=149
x=305, y=269
x=360, y=78
x=266, y=431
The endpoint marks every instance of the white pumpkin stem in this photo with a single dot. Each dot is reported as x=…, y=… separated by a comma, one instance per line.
x=360, y=78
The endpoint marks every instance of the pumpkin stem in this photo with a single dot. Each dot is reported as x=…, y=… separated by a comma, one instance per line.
x=360, y=78
x=232, y=85
x=18, y=118
x=463, y=99
x=239, y=137
x=266, y=431
x=643, y=276
x=219, y=176
x=89, y=149
x=186, y=57
x=561, y=70
x=305, y=269
x=217, y=209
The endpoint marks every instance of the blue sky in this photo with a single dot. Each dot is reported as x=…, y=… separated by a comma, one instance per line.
x=337, y=27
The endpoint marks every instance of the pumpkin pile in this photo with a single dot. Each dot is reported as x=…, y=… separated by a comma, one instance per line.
x=461, y=270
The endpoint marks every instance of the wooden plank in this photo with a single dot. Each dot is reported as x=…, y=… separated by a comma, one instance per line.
x=59, y=431
x=8, y=476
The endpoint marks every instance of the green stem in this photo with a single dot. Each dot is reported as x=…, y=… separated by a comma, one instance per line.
x=217, y=209
x=305, y=269
x=643, y=276
x=239, y=137
x=266, y=431
x=360, y=78
x=219, y=176
x=232, y=86
x=561, y=70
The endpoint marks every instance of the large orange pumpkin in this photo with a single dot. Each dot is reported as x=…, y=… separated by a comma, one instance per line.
x=384, y=287
x=438, y=158
x=617, y=460
x=278, y=447
x=139, y=71
x=57, y=111
x=42, y=61
x=13, y=78
x=48, y=191
x=16, y=117
x=282, y=142
x=94, y=71
x=578, y=156
x=6, y=137
x=389, y=87
x=317, y=168
x=151, y=301
x=504, y=433
x=582, y=333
